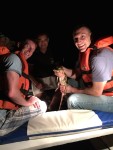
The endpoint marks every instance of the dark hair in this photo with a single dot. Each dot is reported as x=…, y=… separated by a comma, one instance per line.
x=23, y=43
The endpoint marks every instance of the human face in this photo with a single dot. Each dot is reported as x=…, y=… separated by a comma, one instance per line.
x=29, y=49
x=82, y=39
x=43, y=41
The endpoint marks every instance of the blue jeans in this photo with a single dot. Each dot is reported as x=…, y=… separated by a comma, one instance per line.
x=83, y=101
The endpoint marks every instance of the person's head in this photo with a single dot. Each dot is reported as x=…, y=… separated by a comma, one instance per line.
x=6, y=41
x=28, y=48
x=82, y=38
x=42, y=41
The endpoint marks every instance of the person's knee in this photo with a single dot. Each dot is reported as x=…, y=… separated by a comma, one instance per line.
x=73, y=101
x=43, y=106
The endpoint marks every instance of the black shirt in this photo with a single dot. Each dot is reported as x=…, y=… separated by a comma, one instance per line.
x=43, y=63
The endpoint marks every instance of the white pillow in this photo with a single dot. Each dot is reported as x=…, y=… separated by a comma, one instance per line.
x=56, y=123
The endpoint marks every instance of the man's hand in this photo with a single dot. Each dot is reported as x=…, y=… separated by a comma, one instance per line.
x=67, y=89
x=59, y=73
x=37, y=104
x=34, y=101
x=39, y=85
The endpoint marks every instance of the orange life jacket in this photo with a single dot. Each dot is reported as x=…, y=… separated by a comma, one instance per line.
x=85, y=66
x=23, y=85
x=4, y=50
x=103, y=42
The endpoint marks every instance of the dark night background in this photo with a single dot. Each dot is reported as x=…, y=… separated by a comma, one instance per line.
x=22, y=19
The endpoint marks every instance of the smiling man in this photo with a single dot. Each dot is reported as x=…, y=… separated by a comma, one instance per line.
x=16, y=105
x=95, y=67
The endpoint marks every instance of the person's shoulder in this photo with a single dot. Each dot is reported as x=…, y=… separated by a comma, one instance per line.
x=106, y=50
x=12, y=57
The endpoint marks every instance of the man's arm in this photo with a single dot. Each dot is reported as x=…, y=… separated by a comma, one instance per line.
x=95, y=90
x=12, y=90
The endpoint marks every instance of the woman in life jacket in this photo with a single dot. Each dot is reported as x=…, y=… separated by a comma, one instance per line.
x=96, y=70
